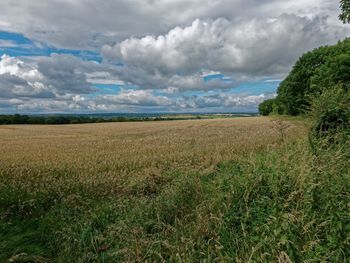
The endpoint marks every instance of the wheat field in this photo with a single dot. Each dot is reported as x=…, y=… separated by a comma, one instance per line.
x=115, y=149
x=112, y=156
x=121, y=191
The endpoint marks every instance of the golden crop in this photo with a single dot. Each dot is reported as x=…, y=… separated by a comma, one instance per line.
x=128, y=189
x=130, y=149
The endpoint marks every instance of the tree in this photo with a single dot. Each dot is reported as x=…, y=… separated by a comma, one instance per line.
x=345, y=8
x=315, y=72
x=336, y=72
x=266, y=107
x=294, y=90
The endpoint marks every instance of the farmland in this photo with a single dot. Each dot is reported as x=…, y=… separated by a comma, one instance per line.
x=165, y=131
x=179, y=191
x=125, y=149
x=78, y=166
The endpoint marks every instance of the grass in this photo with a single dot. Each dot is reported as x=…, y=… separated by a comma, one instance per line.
x=232, y=190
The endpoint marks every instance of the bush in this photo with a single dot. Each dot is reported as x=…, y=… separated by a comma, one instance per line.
x=331, y=117
x=331, y=122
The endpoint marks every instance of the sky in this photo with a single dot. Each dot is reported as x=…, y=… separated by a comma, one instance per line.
x=88, y=56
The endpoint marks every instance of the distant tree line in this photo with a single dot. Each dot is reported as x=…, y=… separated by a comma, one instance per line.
x=76, y=119
x=34, y=119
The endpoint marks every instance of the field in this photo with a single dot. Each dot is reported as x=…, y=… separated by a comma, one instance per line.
x=178, y=191
x=114, y=150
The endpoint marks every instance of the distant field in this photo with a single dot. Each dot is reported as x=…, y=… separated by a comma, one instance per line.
x=206, y=116
x=60, y=119
x=115, y=149
x=125, y=192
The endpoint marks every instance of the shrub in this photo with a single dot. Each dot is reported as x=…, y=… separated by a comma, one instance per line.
x=331, y=122
x=331, y=117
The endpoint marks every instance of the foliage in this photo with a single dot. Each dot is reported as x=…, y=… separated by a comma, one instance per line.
x=331, y=122
x=291, y=206
x=266, y=107
x=330, y=116
x=315, y=72
x=335, y=72
x=345, y=8
x=35, y=119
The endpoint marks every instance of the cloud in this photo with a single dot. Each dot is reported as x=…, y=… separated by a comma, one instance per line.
x=62, y=83
x=104, y=78
x=90, y=24
x=66, y=74
x=7, y=43
x=19, y=79
x=155, y=52
x=248, y=50
x=223, y=101
x=139, y=101
x=56, y=76
x=256, y=47
x=17, y=67
x=135, y=98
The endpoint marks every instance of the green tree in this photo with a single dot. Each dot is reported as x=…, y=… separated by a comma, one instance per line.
x=316, y=71
x=266, y=107
x=292, y=92
x=336, y=72
x=345, y=8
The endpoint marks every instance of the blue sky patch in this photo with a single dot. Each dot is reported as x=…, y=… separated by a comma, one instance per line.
x=17, y=45
x=104, y=89
x=256, y=88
